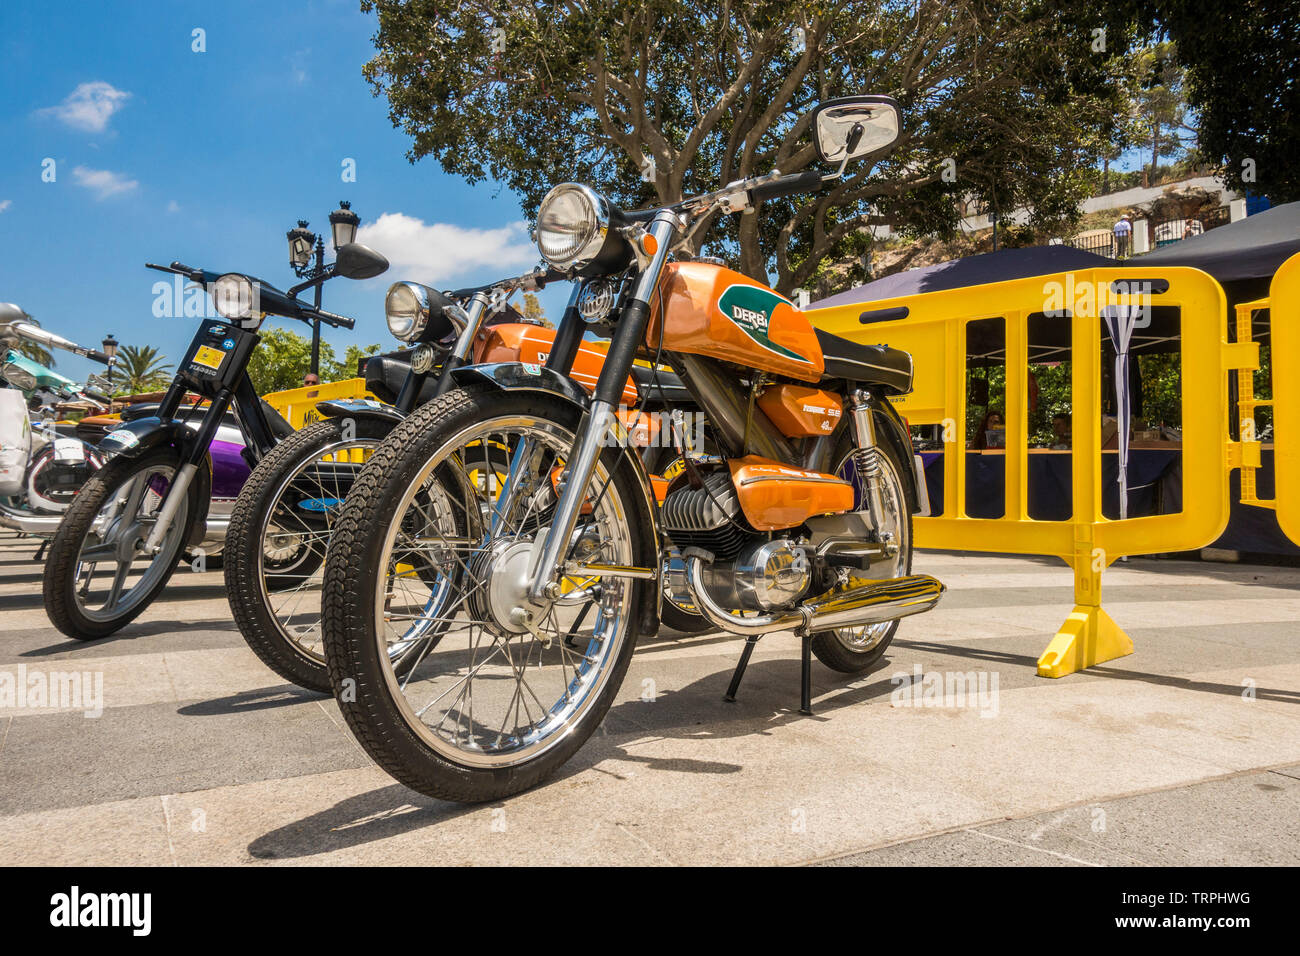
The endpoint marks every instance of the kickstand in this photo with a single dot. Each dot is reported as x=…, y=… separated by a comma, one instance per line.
x=805, y=677
x=740, y=668
x=40, y=552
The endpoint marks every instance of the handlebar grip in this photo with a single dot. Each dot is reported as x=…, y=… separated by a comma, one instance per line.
x=97, y=356
x=329, y=318
x=790, y=185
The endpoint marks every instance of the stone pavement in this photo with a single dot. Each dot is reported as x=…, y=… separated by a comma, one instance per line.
x=1186, y=752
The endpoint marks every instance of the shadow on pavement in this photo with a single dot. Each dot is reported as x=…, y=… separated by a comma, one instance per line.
x=264, y=698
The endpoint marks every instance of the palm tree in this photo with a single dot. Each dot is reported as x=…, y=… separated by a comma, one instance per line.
x=141, y=368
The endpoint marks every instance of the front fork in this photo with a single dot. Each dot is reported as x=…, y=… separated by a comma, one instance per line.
x=193, y=457
x=866, y=458
x=549, y=552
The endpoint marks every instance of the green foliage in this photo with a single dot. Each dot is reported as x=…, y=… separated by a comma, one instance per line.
x=283, y=357
x=650, y=100
x=139, y=369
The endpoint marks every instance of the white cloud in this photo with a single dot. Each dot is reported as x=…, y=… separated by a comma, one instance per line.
x=104, y=182
x=90, y=106
x=5, y=204
x=435, y=252
x=173, y=206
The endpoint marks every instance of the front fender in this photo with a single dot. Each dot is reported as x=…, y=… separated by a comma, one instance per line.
x=141, y=436
x=522, y=376
x=361, y=408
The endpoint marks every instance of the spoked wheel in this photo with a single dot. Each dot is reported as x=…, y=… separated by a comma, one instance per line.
x=97, y=576
x=852, y=650
x=279, y=530
x=514, y=686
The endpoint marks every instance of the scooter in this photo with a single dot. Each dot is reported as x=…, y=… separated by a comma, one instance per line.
x=121, y=539
x=43, y=463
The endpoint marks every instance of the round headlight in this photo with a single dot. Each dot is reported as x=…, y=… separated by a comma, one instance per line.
x=407, y=309
x=234, y=296
x=572, y=223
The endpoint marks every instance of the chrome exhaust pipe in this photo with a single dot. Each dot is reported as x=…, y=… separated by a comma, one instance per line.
x=29, y=523
x=862, y=601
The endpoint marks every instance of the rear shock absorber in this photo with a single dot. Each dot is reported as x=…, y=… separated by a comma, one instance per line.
x=866, y=457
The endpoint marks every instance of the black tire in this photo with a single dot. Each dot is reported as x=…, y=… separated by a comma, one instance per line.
x=246, y=567
x=62, y=563
x=830, y=649
x=357, y=668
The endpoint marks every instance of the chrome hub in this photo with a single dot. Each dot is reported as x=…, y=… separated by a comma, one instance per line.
x=501, y=601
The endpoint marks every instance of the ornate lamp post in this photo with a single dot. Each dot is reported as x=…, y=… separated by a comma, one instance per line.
x=302, y=243
x=109, y=345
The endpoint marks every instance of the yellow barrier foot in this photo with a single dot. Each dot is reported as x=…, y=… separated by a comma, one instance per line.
x=1088, y=636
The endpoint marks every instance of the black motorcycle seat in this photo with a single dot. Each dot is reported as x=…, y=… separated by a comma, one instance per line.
x=873, y=364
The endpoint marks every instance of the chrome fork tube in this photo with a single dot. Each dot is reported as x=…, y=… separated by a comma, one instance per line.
x=596, y=423
x=522, y=462
x=465, y=342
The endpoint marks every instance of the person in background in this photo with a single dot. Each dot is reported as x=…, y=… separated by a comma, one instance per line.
x=1123, y=234
x=1060, y=432
x=311, y=378
x=993, y=422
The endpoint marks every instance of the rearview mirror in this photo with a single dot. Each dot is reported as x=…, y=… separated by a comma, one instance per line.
x=852, y=126
x=355, y=261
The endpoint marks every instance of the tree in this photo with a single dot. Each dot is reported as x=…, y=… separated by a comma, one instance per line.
x=1159, y=106
x=651, y=100
x=141, y=369
x=533, y=311
x=1242, y=61
x=282, y=359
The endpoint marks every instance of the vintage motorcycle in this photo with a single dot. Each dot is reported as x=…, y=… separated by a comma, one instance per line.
x=121, y=539
x=289, y=504
x=545, y=578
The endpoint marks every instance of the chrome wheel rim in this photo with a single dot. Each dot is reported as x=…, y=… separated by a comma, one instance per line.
x=299, y=526
x=486, y=696
x=110, y=555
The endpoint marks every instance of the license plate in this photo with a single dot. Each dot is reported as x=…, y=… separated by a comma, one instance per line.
x=209, y=357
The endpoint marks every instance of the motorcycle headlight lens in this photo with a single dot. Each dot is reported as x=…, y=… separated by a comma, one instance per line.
x=571, y=225
x=407, y=309
x=234, y=297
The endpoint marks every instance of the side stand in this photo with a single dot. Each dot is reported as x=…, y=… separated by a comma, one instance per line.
x=740, y=668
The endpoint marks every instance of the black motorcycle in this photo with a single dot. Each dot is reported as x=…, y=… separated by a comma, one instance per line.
x=126, y=530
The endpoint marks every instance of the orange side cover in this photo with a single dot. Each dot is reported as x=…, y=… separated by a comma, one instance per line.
x=775, y=496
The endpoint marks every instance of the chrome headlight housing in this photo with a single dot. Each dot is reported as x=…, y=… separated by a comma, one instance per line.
x=406, y=307
x=572, y=224
x=234, y=296
x=18, y=377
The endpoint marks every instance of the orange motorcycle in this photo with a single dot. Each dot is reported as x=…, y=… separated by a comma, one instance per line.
x=550, y=566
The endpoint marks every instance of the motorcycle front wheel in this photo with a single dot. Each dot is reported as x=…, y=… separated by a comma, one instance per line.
x=279, y=529
x=97, y=578
x=511, y=690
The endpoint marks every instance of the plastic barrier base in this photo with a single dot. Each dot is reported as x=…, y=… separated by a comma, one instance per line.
x=1088, y=636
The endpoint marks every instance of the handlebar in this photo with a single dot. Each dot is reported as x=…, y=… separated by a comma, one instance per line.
x=269, y=299
x=790, y=185
x=537, y=279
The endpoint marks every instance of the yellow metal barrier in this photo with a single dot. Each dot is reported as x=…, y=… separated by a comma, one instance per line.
x=1284, y=328
x=298, y=405
x=935, y=330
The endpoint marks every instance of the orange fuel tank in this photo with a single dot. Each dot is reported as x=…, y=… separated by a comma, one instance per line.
x=710, y=310
x=521, y=342
x=775, y=496
x=801, y=412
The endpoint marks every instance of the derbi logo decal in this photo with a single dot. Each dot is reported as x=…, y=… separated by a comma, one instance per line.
x=750, y=308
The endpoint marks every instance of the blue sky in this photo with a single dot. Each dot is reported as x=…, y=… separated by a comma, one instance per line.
x=164, y=153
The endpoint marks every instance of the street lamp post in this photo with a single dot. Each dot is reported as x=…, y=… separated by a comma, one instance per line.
x=343, y=229
x=109, y=345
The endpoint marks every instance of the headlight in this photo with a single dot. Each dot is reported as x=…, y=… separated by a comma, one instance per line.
x=572, y=223
x=407, y=309
x=234, y=296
